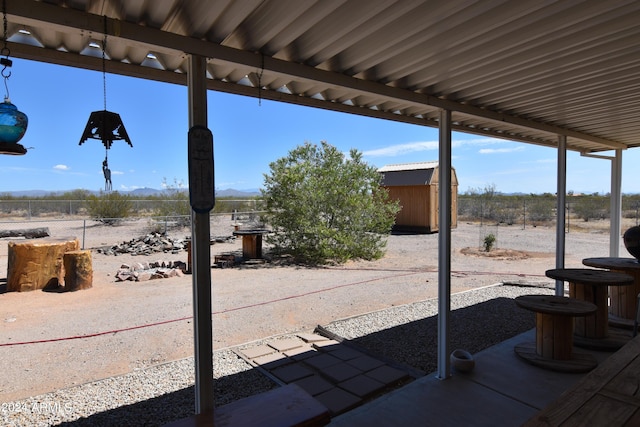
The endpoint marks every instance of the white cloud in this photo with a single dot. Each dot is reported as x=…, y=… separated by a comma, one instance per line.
x=500, y=150
x=61, y=167
x=413, y=147
x=400, y=149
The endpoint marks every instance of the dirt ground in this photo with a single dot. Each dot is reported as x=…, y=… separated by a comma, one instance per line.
x=56, y=340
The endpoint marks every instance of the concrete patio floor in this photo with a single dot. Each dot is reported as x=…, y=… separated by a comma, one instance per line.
x=502, y=390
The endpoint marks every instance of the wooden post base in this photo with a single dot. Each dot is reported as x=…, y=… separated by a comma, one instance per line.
x=78, y=270
x=37, y=264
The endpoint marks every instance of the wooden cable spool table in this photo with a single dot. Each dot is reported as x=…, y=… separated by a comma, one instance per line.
x=624, y=300
x=591, y=285
x=553, y=348
x=251, y=242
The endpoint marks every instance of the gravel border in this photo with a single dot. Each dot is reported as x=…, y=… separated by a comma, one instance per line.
x=405, y=334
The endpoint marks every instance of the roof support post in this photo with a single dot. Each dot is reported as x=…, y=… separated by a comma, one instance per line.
x=201, y=255
x=560, y=208
x=444, y=243
x=616, y=205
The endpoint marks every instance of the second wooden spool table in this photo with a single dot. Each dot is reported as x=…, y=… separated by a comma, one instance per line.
x=591, y=285
x=624, y=300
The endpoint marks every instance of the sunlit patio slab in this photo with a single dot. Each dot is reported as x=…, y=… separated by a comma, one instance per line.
x=502, y=390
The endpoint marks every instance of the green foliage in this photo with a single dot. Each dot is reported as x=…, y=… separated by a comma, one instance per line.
x=109, y=208
x=324, y=207
x=173, y=202
x=489, y=240
x=590, y=207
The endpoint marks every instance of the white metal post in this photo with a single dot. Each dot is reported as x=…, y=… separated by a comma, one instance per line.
x=201, y=255
x=560, y=208
x=616, y=205
x=444, y=243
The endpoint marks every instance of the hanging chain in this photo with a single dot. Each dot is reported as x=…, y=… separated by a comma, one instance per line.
x=5, y=62
x=104, y=63
x=260, y=81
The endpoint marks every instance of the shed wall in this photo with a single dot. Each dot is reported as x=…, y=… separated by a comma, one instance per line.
x=419, y=207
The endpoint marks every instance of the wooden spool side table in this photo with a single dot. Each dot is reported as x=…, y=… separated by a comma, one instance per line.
x=591, y=285
x=553, y=348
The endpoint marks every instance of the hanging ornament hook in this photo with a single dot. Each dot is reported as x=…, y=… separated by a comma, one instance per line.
x=5, y=52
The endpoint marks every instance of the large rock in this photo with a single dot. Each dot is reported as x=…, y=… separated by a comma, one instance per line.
x=37, y=264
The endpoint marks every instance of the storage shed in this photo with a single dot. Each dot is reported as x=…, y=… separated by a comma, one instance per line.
x=415, y=185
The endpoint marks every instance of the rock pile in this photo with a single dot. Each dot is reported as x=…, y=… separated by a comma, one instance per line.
x=154, y=243
x=146, y=245
x=143, y=271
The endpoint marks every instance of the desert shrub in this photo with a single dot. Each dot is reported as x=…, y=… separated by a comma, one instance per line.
x=489, y=241
x=109, y=208
x=324, y=207
x=173, y=202
x=590, y=207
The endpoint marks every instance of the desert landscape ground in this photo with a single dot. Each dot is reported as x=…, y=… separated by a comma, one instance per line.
x=53, y=340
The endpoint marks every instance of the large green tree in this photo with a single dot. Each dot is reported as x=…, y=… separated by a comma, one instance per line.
x=326, y=207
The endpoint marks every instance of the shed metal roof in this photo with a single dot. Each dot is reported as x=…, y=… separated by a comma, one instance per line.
x=408, y=166
x=419, y=173
x=523, y=70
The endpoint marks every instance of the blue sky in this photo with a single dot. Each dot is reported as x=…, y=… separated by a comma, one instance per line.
x=248, y=135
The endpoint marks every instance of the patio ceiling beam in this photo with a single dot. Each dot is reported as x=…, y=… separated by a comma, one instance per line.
x=34, y=13
x=59, y=57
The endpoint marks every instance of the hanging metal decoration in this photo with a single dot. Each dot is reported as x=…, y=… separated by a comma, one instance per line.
x=13, y=123
x=104, y=125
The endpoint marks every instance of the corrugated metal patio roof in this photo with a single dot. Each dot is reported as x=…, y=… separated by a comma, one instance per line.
x=525, y=70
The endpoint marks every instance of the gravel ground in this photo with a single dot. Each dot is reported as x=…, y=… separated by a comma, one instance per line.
x=406, y=335
x=389, y=301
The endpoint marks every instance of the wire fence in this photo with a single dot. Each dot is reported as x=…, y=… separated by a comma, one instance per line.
x=60, y=209
x=93, y=233
x=541, y=209
x=64, y=218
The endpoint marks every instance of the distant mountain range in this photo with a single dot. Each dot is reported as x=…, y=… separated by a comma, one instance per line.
x=138, y=192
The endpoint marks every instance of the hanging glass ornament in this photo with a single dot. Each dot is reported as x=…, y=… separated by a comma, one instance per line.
x=13, y=123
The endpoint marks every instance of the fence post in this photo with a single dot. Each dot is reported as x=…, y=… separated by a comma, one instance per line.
x=84, y=231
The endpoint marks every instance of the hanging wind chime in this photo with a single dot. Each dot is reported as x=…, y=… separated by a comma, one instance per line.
x=105, y=125
x=13, y=123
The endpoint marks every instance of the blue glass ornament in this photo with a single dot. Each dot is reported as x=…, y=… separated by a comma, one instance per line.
x=13, y=123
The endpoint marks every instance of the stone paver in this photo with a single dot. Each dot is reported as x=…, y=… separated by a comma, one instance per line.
x=301, y=353
x=283, y=345
x=314, y=384
x=270, y=361
x=312, y=337
x=338, y=400
x=326, y=343
x=366, y=363
x=257, y=351
x=341, y=372
x=322, y=361
x=388, y=375
x=345, y=353
x=292, y=372
x=362, y=386
x=337, y=375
